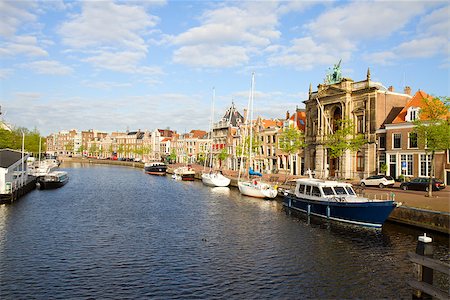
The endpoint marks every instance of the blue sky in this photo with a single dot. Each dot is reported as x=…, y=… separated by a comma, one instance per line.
x=113, y=65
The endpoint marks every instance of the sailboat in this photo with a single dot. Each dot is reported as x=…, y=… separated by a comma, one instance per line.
x=213, y=178
x=254, y=186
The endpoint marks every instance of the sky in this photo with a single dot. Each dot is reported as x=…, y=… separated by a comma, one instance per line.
x=129, y=65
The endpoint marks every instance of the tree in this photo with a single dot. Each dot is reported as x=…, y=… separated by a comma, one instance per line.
x=433, y=129
x=291, y=140
x=172, y=157
x=343, y=139
x=222, y=156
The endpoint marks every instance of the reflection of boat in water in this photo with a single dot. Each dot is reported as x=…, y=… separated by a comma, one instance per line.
x=337, y=201
x=184, y=173
x=155, y=168
x=52, y=180
x=224, y=190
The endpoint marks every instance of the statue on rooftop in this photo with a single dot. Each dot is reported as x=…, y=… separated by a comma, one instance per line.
x=335, y=75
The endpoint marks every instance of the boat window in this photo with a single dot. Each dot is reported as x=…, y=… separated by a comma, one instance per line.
x=340, y=190
x=308, y=189
x=301, y=189
x=327, y=191
x=315, y=191
x=350, y=191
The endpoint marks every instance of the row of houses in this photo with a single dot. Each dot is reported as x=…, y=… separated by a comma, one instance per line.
x=385, y=118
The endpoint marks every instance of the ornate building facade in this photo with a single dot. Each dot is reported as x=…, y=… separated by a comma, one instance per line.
x=367, y=104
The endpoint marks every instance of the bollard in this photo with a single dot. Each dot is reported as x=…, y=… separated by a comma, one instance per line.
x=425, y=274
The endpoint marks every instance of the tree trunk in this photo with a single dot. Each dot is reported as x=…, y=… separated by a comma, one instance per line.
x=430, y=183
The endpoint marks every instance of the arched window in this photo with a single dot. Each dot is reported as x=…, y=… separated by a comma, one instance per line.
x=359, y=161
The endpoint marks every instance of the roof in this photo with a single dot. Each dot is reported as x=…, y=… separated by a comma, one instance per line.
x=9, y=157
x=267, y=123
x=416, y=101
x=232, y=116
x=198, y=133
x=166, y=139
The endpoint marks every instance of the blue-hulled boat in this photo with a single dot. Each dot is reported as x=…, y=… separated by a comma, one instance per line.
x=337, y=201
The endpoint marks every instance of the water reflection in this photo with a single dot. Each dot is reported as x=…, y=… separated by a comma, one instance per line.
x=116, y=232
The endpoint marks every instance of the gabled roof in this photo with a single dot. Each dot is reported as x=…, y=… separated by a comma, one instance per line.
x=416, y=101
x=198, y=133
x=232, y=116
x=267, y=123
x=166, y=139
x=9, y=157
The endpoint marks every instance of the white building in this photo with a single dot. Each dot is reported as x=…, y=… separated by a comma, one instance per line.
x=13, y=170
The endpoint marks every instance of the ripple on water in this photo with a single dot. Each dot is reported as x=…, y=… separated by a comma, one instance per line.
x=115, y=232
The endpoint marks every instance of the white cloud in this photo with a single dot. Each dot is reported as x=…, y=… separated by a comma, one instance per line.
x=116, y=33
x=305, y=53
x=104, y=23
x=50, y=67
x=13, y=14
x=212, y=56
x=228, y=35
x=22, y=44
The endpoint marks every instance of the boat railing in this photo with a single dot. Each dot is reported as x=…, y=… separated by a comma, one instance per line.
x=376, y=197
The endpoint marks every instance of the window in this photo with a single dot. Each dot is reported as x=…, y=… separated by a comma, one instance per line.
x=397, y=140
x=360, y=124
x=339, y=190
x=407, y=160
x=315, y=191
x=381, y=162
x=412, y=140
x=327, y=191
x=425, y=165
x=382, y=142
x=359, y=161
x=301, y=189
x=350, y=191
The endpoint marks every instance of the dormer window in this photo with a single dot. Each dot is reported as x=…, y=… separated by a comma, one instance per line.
x=412, y=114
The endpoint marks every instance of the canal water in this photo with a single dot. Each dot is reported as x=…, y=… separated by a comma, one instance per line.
x=117, y=233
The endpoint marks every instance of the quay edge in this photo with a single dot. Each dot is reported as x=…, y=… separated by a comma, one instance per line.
x=406, y=215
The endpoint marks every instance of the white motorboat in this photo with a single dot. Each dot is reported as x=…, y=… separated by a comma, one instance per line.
x=184, y=173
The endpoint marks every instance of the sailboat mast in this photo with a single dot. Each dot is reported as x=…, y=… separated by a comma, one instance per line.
x=251, y=120
x=211, y=129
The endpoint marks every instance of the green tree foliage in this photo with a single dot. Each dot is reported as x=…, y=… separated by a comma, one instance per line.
x=256, y=144
x=344, y=139
x=172, y=157
x=13, y=140
x=433, y=129
x=291, y=140
x=222, y=156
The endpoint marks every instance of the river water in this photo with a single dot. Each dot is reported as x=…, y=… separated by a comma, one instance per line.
x=117, y=233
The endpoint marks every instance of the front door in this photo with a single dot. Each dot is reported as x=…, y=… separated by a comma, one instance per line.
x=333, y=167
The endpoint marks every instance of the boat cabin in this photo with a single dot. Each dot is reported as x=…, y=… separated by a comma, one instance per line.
x=323, y=188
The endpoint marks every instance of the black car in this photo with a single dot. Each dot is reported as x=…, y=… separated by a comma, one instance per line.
x=422, y=184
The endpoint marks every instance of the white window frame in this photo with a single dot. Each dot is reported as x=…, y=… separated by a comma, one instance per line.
x=427, y=163
x=409, y=159
x=417, y=142
x=393, y=140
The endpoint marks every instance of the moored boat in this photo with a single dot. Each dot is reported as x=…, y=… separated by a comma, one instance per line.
x=52, y=180
x=184, y=173
x=337, y=201
x=155, y=168
x=215, y=179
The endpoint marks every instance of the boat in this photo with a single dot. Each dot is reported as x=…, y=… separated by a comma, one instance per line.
x=185, y=173
x=337, y=201
x=52, y=180
x=213, y=178
x=155, y=168
x=254, y=186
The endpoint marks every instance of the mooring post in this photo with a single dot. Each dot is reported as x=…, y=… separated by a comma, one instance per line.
x=425, y=274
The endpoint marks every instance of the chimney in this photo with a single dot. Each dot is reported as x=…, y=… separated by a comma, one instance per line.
x=287, y=115
x=391, y=89
x=408, y=90
x=245, y=115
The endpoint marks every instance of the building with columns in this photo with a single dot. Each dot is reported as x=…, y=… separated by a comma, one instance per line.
x=368, y=104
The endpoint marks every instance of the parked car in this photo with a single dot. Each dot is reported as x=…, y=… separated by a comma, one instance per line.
x=378, y=180
x=422, y=184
